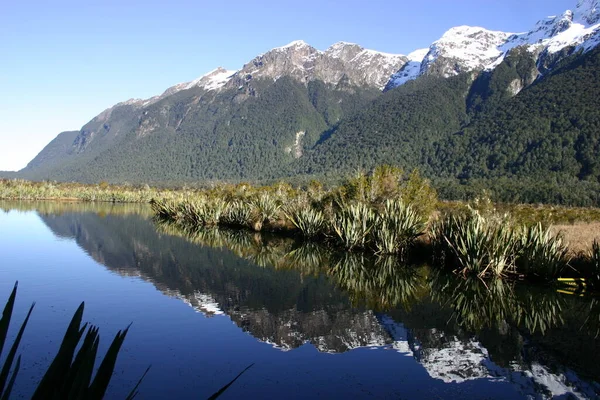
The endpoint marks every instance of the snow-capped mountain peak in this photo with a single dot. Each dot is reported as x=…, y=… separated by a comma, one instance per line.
x=587, y=12
x=410, y=70
x=294, y=44
x=467, y=48
x=212, y=80
x=463, y=49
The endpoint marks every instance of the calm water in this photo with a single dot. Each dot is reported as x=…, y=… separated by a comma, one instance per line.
x=316, y=325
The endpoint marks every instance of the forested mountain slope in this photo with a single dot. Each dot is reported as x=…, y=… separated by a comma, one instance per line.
x=476, y=109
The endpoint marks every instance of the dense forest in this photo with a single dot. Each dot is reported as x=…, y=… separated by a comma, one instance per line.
x=523, y=135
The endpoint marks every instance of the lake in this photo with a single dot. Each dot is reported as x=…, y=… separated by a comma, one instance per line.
x=205, y=305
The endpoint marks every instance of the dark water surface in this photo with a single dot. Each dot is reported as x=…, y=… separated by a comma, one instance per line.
x=316, y=325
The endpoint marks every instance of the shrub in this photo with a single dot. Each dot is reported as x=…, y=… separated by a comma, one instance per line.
x=265, y=208
x=237, y=213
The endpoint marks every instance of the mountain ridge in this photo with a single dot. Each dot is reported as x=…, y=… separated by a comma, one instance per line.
x=273, y=117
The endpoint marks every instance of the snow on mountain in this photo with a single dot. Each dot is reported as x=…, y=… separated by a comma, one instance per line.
x=460, y=49
x=465, y=48
x=213, y=80
x=410, y=70
x=572, y=28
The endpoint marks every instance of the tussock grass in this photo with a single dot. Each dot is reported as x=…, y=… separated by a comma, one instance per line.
x=19, y=189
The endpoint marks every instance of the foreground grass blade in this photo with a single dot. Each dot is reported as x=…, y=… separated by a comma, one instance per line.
x=224, y=388
x=6, y=394
x=67, y=377
x=134, y=392
x=6, y=315
x=54, y=378
x=13, y=351
x=102, y=378
x=80, y=373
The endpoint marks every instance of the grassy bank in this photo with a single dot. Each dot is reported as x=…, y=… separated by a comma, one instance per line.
x=386, y=212
x=19, y=189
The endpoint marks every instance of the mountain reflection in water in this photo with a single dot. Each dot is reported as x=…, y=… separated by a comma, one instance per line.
x=289, y=293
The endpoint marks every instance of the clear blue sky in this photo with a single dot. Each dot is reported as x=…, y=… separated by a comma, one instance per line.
x=63, y=62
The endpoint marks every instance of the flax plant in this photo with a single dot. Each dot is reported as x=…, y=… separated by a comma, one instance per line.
x=474, y=244
x=265, y=208
x=352, y=224
x=595, y=256
x=540, y=254
x=237, y=213
x=310, y=221
x=397, y=227
x=164, y=209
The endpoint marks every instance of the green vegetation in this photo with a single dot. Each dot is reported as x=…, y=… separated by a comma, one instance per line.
x=19, y=189
x=466, y=133
x=367, y=212
x=541, y=145
x=540, y=254
x=492, y=245
x=474, y=244
x=383, y=213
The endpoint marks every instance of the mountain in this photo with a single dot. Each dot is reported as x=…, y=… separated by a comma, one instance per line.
x=466, y=48
x=296, y=110
x=8, y=174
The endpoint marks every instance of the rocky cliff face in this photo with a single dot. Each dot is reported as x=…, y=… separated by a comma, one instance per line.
x=346, y=62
